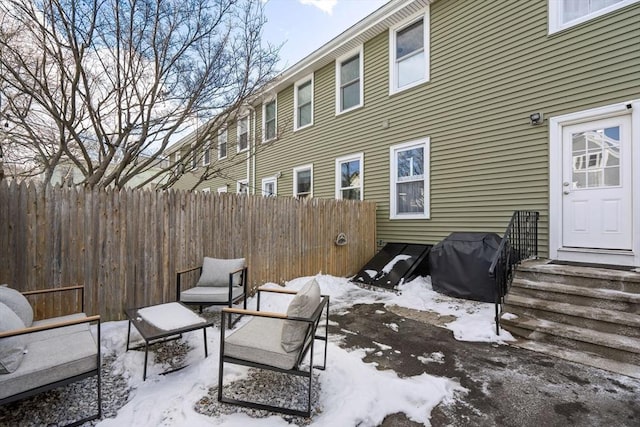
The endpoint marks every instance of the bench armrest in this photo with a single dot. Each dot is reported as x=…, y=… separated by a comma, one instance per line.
x=23, y=331
x=254, y=313
x=44, y=291
x=179, y=279
x=54, y=290
x=277, y=290
x=188, y=270
x=324, y=301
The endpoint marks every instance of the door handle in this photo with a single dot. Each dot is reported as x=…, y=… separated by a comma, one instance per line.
x=566, y=192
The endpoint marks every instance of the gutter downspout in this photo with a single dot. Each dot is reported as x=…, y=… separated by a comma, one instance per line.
x=251, y=153
x=253, y=160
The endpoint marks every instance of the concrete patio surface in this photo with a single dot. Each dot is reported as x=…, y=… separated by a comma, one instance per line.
x=507, y=386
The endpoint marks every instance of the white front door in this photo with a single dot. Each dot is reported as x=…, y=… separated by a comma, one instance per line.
x=597, y=184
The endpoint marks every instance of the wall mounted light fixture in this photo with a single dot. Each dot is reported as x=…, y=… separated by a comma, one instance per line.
x=536, y=118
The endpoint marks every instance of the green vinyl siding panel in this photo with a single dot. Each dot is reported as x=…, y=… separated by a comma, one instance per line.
x=492, y=64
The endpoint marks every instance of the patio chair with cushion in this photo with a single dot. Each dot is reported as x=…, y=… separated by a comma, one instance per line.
x=277, y=342
x=40, y=355
x=221, y=282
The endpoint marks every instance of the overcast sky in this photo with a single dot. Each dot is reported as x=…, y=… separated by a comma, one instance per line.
x=305, y=25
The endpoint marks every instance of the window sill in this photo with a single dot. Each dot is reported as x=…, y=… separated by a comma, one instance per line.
x=266, y=141
x=222, y=158
x=295, y=129
x=409, y=216
x=394, y=91
x=348, y=110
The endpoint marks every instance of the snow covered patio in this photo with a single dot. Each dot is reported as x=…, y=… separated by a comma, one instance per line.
x=410, y=359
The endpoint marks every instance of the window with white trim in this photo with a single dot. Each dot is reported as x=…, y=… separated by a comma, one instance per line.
x=303, y=182
x=269, y=120
x=243, y=134
x=222, y=143
x=349, y=177
x=269, y=186
x=409, y=53
x=206, y=154
x=242, y=186
x=221, y=190
x=206, y=190
x=194, y=158
x=349, y=70
x=410, y=180
x=303, y=103
x=564, y=14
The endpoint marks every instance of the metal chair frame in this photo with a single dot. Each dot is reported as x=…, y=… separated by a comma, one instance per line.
x=307, y=348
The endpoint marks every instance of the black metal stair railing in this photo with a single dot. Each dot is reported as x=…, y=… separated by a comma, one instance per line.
x=519, y=242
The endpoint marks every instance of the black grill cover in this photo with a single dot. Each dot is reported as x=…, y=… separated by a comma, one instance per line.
x=460, y=264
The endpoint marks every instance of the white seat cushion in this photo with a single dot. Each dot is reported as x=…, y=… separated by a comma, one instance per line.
x=209, y=294
x=259, y=341
x=50, y=360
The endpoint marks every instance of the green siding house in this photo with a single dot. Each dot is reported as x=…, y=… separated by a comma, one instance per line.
x=451, y=114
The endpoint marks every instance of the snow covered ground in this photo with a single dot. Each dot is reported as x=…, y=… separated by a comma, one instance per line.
x=352, y=392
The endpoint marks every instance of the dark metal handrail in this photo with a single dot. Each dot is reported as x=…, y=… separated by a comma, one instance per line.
x=519, y=242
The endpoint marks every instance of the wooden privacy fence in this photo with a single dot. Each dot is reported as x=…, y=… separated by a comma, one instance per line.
x=125, y=246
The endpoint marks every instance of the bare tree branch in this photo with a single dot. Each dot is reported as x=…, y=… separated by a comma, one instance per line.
x=106, y=85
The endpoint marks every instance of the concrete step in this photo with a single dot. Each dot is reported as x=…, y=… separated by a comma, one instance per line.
x=611, y=346
x=597, y=319
x=578, y=295
x=617, y=280
x=583, y=358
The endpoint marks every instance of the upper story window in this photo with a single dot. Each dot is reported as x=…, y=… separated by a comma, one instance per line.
x=194, y=158
x=349, y=177
x=269, y=123
x=222, y=144
x=206, y=154
x=410, y=180
x=303, y=103
x=222, y=189
x=243, y=134
x=303, y=182
x=349, y=69
x=409, y=53
x=564, y=14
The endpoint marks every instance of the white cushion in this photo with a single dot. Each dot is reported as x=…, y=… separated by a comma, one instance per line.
x=215, y=272
x=303, y=305
x=12, y=349
x=18, y=303
x=52, y=359
x=259, y=341
x=210, y=294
